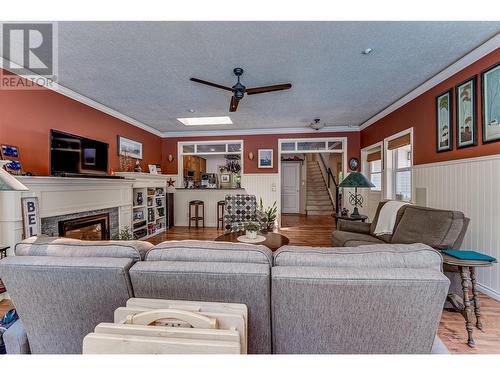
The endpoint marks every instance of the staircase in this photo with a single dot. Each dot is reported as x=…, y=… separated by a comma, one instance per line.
x=318, y=199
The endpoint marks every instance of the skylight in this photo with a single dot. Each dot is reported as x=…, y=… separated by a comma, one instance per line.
x=195, y=121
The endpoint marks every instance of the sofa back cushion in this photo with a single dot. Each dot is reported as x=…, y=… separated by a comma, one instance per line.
x=68, y=247
x=368, y=256
x=62, y=299
x=385, y=237
x=341, y=310
x=437, y=228
x=209, y=251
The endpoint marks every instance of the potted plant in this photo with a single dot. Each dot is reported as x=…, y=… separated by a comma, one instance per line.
x=251, y=231
x=268, y=215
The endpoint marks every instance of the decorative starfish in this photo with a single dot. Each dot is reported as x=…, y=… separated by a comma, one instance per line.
x=170, y=182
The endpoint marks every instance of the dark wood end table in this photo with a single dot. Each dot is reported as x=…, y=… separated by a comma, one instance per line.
x=273, y=240
x=466, y=305
x=362, y=218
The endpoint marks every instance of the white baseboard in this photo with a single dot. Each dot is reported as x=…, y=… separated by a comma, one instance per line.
x=488, y=291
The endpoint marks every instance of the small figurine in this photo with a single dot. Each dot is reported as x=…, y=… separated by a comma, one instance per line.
x=137, y=167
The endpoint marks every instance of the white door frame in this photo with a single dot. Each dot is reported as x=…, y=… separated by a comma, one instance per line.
x=325, y=139
x=298, y=166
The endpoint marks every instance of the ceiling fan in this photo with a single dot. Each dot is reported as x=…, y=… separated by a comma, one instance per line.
x=239, y=90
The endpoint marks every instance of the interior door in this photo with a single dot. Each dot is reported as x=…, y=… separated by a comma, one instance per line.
x=290, y=186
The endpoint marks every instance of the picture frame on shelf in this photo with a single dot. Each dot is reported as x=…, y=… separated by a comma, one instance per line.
x=444, y=121
x=129, y=148
x=14, y=167
x=266, y=157
x=490, y=93
x=225, y=178
x=152, y=169
x=466, y=113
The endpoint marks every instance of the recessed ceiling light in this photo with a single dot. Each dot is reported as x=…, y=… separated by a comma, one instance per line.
x=193, y=121
x=191, y=111
x=367, y=51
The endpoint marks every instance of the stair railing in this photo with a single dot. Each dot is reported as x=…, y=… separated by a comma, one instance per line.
x=331, y=179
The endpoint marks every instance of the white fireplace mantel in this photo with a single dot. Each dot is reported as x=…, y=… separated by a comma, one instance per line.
x=63, y=196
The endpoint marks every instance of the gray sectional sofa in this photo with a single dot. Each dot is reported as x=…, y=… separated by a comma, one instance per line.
x=373, y=299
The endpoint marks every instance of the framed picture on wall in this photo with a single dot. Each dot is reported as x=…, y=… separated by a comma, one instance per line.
x=490, y=87
x=444, y=121
x=266, y=158
x=466, y=109
x=129, y=147
x=9, y=152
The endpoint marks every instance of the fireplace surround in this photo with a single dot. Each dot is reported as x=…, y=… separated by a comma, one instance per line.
x=93, y=228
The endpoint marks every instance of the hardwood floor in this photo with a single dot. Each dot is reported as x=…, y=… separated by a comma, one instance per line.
x=316, y=231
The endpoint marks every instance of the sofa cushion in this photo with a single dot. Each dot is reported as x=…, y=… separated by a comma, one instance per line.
x=341, y=238
x=68, y=247
x=62, y=299
x=16, y=340
x=436, y=228
x=343, y=310
x=372, y=256
x=247, y=283
x=209, y=251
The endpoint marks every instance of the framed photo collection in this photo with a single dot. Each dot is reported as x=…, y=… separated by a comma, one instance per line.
x=465, y=112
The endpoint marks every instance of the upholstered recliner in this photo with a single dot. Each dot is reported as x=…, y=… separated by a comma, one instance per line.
x=241, y=210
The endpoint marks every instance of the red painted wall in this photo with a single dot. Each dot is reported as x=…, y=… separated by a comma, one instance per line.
x=420, y=114
x=253, y=143
x=26, y=117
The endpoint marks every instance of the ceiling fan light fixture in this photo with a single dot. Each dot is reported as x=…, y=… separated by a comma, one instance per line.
x=201, y=121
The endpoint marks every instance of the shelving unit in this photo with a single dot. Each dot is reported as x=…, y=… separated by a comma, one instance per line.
x=149, y=205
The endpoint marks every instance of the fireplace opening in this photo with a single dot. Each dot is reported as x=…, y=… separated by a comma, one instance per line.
x=92, y=228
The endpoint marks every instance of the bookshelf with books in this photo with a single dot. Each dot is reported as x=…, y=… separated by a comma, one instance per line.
x=148, y=204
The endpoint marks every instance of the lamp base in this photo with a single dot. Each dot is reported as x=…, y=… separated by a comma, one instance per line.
x=355, y=212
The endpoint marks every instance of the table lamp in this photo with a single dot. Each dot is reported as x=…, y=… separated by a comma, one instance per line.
x=356, y=180
x=9, y=182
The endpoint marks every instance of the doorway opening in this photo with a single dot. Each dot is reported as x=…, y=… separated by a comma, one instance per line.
x=310, y=170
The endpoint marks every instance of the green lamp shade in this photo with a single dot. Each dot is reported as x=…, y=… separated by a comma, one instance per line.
x=356, y=180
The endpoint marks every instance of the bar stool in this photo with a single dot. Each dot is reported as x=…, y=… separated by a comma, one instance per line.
x=220, y=213
x=196, y=217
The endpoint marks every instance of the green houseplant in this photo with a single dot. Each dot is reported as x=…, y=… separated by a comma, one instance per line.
x=268, y=215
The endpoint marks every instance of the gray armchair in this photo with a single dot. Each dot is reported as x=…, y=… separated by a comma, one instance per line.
x=241, y=210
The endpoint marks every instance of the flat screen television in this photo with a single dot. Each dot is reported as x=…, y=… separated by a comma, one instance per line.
x=74, y=155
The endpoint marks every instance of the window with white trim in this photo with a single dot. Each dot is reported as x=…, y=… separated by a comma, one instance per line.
x=402, y=172
x=375, y=168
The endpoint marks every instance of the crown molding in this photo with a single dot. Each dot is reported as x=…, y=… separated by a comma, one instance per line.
x=489, y=46
x=206, y=133
x=8, y=65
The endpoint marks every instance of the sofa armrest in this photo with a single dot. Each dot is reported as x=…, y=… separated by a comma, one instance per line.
x=16, y=339
x=353, y=226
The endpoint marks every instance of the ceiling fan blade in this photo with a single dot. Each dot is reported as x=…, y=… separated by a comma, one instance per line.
x=211, y=84
x=263, y=89
x=234, y=104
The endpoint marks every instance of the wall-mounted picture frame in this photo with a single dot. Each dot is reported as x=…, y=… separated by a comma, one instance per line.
x=129, y=147
x=9, y=152
x=490, y=90
x=466, y=113
x=444, y=121
x=266, y=158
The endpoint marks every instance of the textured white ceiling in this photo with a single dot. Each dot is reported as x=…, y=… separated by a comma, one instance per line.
x=142, y=69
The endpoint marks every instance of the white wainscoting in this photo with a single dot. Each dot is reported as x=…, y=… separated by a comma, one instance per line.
x=473, y=187
x=265, y=186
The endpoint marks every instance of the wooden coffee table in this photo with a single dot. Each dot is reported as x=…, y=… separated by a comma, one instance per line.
x=273, y=240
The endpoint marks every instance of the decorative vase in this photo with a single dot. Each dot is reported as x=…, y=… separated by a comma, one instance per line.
x=140, y=199
x=251, y=234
